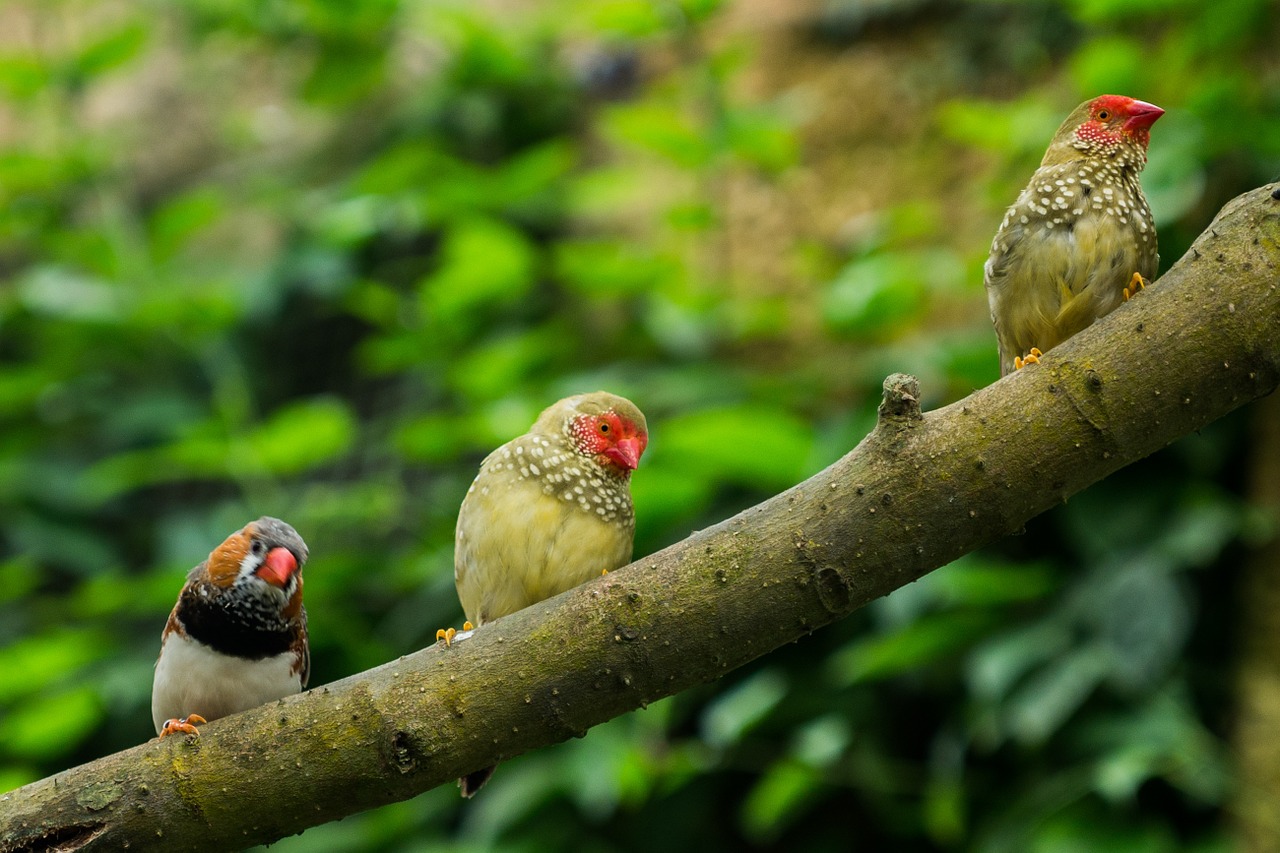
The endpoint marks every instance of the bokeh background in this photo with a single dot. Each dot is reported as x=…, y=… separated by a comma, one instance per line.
x=314, y=258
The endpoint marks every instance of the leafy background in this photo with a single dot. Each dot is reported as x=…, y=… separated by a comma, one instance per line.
x=314, y=258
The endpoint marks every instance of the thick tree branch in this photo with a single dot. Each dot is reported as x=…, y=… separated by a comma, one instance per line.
x=918, y=492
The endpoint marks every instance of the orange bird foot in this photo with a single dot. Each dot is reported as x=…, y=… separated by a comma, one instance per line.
x=447, y=634
x=187, y=725
x=1136, y=284
x=1033, y=357
x=467, y=626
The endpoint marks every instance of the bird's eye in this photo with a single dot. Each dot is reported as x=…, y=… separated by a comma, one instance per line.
x=257, y=548
x=604, y=428
x=1103, y=115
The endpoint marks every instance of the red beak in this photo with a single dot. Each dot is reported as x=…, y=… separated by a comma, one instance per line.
x=278, y=567
x=626, y=453
x=1142, y=115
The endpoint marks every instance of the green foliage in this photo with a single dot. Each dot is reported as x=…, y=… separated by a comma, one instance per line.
x=315, y=259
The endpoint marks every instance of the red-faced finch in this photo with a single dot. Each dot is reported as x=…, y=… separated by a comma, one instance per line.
x=548, y=511
x=237, y=638
x=1080, y=238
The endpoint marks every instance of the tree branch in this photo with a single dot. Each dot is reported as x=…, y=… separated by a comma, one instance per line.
x=919, y=491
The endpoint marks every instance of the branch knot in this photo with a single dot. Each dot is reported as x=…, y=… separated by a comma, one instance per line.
x=901, y=398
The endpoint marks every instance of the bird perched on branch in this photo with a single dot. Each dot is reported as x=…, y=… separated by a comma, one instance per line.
x=237, y=638
x=549, y=510
x=1080, y=239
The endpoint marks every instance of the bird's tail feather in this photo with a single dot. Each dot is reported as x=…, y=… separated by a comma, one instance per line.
x=473, y=782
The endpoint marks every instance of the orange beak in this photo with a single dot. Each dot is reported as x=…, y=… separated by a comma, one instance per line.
x=1142, y=115
x=626, y=453
x=278, y=567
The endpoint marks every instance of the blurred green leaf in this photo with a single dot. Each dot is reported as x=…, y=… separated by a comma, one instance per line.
x=736, y=711
x=665, y=494
x=69, y=294
x=972, y=581
x=34, y=662
x=998, y=663
x=51, y=725
x=1040, y=706
x=12, y=777
x=1064, y=833
x=662, y=130
x=633, y=18
x=820, y=742
x=1111, y=64
x=608, y=268
x=437, y=437
x=926, y=641
x=21, y=387
x=762, y=138
x=183, y=217
x=1108, y=11
x=782, y=794
x=1162, y=738
x=483, y=261
x=1174, y=180
x=755, y=446
x=700, y=10
x=19, y=576
x=495, y=366
x=111, y=50
x=303, y=435
x=1020, y=129
x=22, y=75
x=1201, y=528
x=1142, y=615
x=882, y=295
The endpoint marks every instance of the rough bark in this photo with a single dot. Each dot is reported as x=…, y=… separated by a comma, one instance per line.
x=919, y=491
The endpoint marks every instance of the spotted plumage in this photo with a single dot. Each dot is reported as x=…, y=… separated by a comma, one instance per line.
x=237, y=637
x=1072, y=242
x=549, y=510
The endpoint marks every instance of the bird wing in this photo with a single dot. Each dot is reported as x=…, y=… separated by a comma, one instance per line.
x=517, y=545
x=1061, y=260
x=302, y=647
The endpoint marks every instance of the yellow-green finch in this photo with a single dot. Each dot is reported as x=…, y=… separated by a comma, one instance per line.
x=1080, y=238
x=549, y=510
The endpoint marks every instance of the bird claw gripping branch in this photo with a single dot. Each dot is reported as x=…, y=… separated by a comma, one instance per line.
x=448, y=634
x=186, y=725
x=1137, y=283
x=1032, y=357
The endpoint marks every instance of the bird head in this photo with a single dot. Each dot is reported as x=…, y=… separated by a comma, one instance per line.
x=264, y=561
x=603, y=427
x=1103, y=126
x=610, y=438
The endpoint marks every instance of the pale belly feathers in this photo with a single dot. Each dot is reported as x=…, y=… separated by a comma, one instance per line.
x=192, y=678
x=533, y=546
